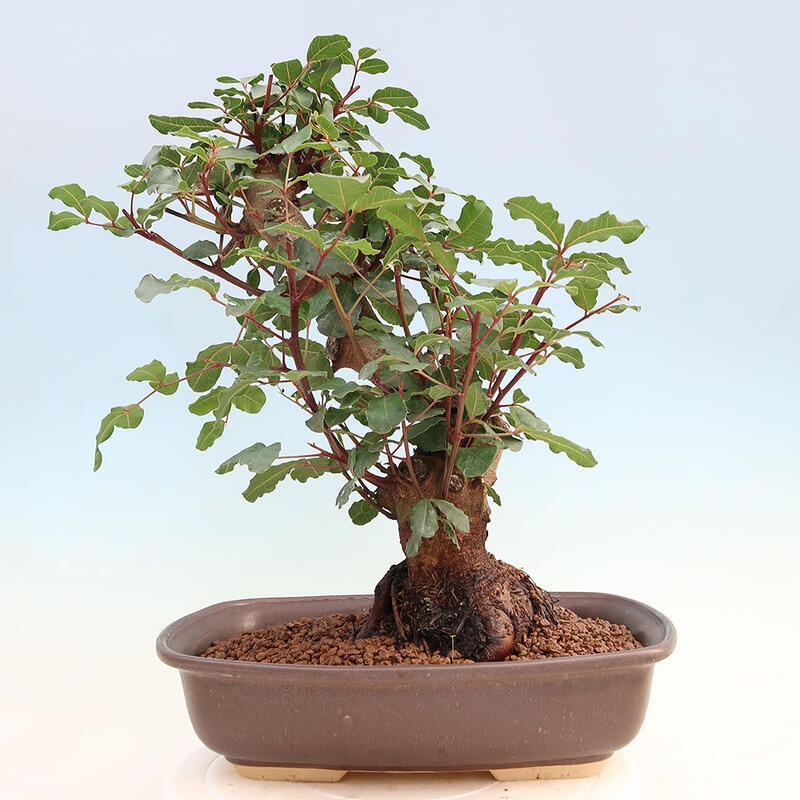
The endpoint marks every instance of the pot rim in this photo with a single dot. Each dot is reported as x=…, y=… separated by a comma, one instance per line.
x=626, y=659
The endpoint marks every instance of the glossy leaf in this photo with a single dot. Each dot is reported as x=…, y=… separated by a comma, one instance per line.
x=73, y=196
x=201, y=249
x=165, y=124
x=62, y=220
x=126, y=417
x=475, y=461
x=412, y=118
x=341, y=192
x=300, y=470
x=150, y=286
x=570, y=355
x=154, y=372
x=543, y=215
x=325, y=47
x=209, y=433
x=362, y=512
x=257, y=458
x=424, y=519
x=250, y=400
x=602, y=227
x=288, y=72
x=374, y=66
x=475, y=224
x=403, y=220
x=395, y=97
x=385, y=413
x=453, y=514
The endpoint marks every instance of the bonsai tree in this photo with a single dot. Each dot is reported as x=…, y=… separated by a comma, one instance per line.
x=378, y=303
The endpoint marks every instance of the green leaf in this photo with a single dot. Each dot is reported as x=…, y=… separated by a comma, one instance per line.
x=527, y=423
x=163, y=180
x=266, y=481
x=362, y=457
x=316, y=422
x=209, y=433
x=250, y=400
x=345, y=492
x=403, y=220
x=203, y=373
x=384, y=197
x=583, y=293
x=363, y=158
x=570, y=355
x=395, y=97
x=374, y=66
x=454, y=515
x=506, y=251
x=206, y=403
x=603, y=261
x=165, y=124
x=237, y=155
x=310, y=259
x=201, y=249
x=154, y=372
x=544, y=216
x=412, y=118
x=558, y=444
x=120, y=417
x=327, y=128
x=474, y=461
x=423, y=162
x=126, y=417
x=362, y=512
x=325, y=47
x=104, y=207
x=301, y=470
x=320, y=77
x=600, y=228
x=424, y=520
x=341, y=192
x=385, y=413
x=429, y=434
x=169, y=385
x=288, y=72
x=376, y=112
x=62, y=220
x=475, y=224
x=476, y=401
x=295, y=141
x=72, y=195
x=257, y=458
x=150, y=286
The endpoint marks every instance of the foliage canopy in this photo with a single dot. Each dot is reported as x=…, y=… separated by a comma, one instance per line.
x=342, y=257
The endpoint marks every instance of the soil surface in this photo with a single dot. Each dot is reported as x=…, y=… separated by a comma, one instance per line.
x=331, y=640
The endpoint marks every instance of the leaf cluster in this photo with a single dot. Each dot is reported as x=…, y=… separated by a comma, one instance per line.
x=362, y=291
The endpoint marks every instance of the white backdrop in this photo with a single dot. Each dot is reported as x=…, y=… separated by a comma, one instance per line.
x=683, y=114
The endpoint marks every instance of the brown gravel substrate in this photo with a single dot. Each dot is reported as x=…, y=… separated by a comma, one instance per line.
x=330, y=640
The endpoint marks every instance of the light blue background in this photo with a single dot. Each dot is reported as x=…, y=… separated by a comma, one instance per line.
x=683, y=114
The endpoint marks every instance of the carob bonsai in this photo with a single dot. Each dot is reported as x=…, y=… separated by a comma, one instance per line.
x=378, y=302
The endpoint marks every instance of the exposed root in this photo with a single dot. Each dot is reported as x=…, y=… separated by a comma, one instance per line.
x=482, y=616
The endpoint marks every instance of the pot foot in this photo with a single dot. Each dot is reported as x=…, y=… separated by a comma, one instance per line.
x=550, y=772
x=313, y=775
x=299, y=774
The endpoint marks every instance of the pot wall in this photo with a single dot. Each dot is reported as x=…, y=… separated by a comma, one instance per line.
x=444, y=717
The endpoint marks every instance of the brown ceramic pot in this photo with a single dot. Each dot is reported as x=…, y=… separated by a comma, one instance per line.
x=559, y=711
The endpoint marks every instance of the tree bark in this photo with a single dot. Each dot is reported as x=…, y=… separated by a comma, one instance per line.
x=453, y=597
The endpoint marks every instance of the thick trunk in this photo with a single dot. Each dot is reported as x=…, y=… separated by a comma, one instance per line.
x=448, y=596
x=454, y=597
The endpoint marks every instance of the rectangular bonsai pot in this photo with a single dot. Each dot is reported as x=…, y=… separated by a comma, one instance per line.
x=508, y=715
